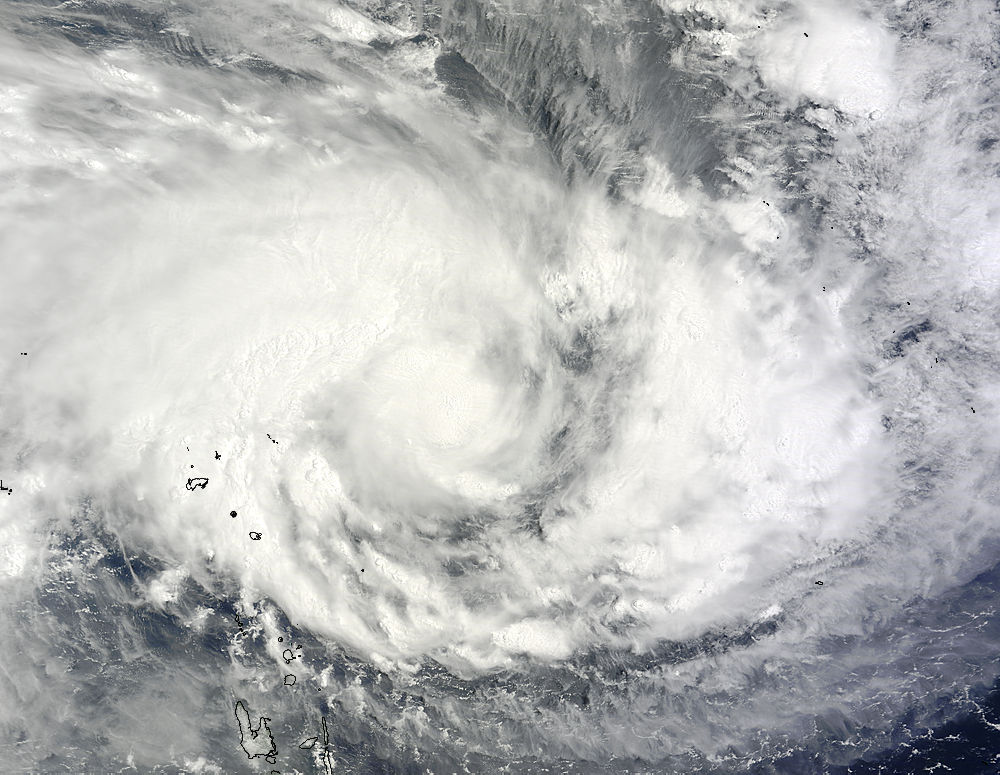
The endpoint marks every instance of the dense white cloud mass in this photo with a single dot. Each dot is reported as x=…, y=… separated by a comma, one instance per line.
x=600, y=387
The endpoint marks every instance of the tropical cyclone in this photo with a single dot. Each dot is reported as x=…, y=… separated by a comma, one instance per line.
x=620, y=388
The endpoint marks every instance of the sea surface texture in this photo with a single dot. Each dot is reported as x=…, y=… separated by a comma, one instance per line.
x=500, y=386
